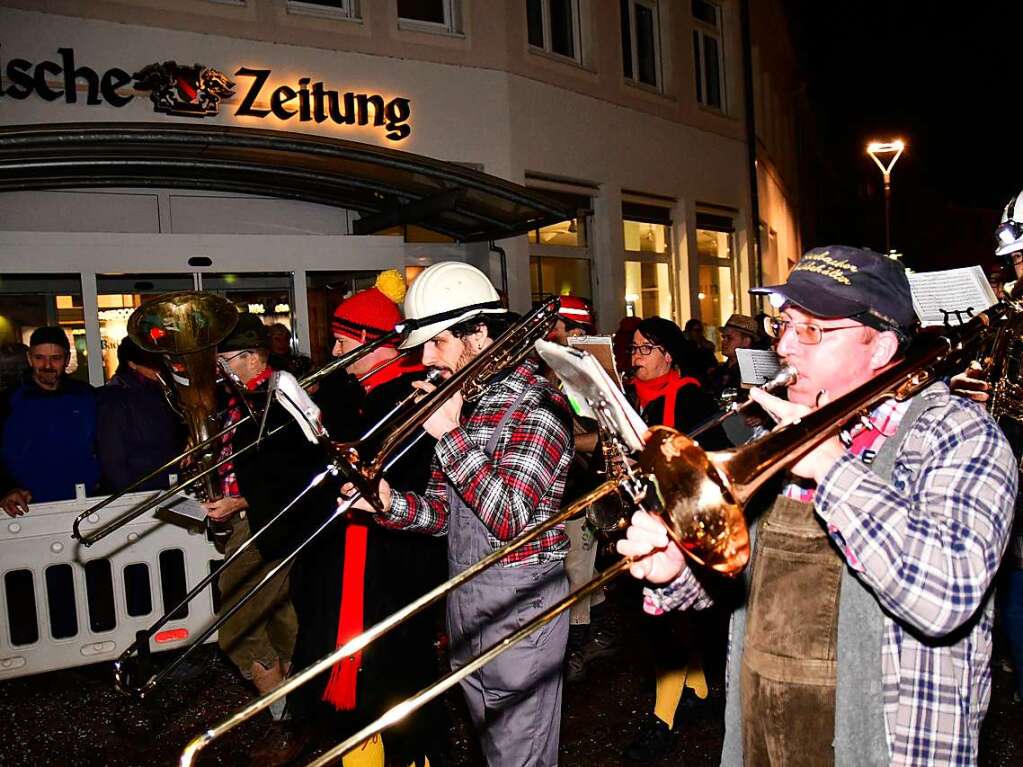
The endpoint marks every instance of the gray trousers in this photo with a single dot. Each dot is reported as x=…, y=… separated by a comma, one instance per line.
x=515, y=700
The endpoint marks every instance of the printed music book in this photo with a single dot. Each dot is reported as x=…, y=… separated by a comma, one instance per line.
x=592, y=393
x=952, y=295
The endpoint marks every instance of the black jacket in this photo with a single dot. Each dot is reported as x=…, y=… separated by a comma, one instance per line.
x=399, y=567
x=136, y=432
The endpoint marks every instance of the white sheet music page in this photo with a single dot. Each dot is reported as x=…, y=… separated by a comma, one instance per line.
x=965, y=290
x=588, y=385
x=757, y=366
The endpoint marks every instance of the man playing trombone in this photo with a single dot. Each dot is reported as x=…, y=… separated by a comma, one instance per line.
x=496, y=471
x=866, y=634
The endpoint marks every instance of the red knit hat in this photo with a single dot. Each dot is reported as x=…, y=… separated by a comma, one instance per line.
x=373, y=312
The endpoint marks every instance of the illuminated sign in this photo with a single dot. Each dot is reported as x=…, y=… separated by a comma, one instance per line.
x=199, y=90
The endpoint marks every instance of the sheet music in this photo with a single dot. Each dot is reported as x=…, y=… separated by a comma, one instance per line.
x=592, y=393
x=966, y=290
x=757, y=366
x=602, y=348
x=186, y=506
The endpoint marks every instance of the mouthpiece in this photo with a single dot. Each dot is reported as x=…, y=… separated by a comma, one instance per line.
x=434, y=376
x=783, y=378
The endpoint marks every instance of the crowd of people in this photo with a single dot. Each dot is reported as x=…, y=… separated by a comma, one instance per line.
x=863, y=624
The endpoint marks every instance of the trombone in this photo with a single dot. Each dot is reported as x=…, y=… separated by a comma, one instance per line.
x=158, y=499
x=363, y=462
x=700, y=496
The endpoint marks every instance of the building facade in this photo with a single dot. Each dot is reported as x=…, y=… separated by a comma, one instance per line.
x=630, y=113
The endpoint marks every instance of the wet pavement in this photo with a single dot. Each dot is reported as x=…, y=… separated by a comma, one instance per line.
x=75, y=717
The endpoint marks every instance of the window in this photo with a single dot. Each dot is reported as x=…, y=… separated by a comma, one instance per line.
x=429, y=15
x=716, y=268
x=641, y=45
x=648, y=285
x=554, y=26
x=707, y=54
x=559, y=276
x=559, y=259
x=340, y=9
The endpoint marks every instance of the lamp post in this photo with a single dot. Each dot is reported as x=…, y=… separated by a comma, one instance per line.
x=890, y=151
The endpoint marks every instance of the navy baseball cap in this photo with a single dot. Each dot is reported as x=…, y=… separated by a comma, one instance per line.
x=840, y=281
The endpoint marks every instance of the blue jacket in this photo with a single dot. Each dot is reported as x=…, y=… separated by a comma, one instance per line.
x=47, y=440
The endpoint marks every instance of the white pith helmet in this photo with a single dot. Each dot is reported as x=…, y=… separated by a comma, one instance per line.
x=1009, y=234
x=445, y=294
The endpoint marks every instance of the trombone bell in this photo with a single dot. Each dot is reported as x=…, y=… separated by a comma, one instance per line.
x=695, y=504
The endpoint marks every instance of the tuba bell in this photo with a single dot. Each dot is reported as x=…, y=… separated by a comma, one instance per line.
x=186, y=328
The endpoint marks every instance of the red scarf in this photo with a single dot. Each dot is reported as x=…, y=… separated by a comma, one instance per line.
x=341, y=688
x=666, y=387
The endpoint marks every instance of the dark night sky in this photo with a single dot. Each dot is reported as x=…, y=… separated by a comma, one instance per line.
x=944, y=77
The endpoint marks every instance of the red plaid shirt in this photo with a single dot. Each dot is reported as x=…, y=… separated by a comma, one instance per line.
x=519, y=487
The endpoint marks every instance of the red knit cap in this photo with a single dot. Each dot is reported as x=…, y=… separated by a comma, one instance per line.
x=373, y=312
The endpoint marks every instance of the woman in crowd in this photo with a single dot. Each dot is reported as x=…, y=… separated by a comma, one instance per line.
x=665, y=373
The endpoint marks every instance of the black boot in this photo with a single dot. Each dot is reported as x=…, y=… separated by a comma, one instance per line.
x=655, y=739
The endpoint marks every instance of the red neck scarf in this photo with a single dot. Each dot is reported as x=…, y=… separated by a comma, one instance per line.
x=663, y=387
x=392, y=371
x=341, y=688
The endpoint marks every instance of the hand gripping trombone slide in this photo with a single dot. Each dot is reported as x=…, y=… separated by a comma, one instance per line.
x=700, y=496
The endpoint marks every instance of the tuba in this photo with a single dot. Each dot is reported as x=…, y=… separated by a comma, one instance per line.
x=186, y=328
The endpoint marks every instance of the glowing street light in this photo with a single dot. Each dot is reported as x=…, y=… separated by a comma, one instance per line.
x=883, y=152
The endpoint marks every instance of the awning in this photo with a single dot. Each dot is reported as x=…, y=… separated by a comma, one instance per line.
x=385, y=186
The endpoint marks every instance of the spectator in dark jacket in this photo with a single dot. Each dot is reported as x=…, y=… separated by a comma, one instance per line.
x=47, y=430
x=136, y=431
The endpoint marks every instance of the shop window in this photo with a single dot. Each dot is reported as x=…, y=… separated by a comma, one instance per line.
x=118, y=295
x=554, y=275
x=641, y=44
x=340, y=9
x=707, y=54
x=646, y=230
x=324, y=291
x=571, y=233
x=647, y=289
x=716, y=290
x=28, y=302
x=429, y=15
x=268, y=295
x=644, y=237
x=554, y=26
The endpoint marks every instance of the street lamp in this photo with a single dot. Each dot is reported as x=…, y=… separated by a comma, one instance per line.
x=890, y=151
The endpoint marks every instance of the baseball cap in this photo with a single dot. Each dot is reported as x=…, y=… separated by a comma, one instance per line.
x=249, y=333
x=842, y=281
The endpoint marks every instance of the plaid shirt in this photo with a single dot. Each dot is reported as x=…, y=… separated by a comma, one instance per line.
x=928, y=546
x=515, y=490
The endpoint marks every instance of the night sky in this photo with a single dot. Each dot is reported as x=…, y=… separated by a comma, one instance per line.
x=946, y=78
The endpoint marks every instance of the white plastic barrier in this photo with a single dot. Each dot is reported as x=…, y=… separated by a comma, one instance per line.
x=63, y=604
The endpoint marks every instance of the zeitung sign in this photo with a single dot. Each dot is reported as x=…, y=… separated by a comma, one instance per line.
x=198, y=91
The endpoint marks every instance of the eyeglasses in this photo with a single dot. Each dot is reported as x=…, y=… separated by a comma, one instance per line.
x=807, y=333
x=643, y=350
x=236, y=355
